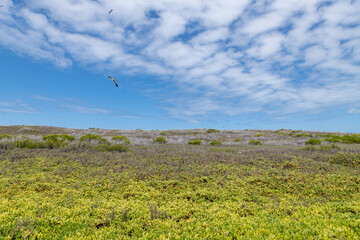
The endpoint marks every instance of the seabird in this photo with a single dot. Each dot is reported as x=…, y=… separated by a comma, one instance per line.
x=111, y=11
x=113, y=81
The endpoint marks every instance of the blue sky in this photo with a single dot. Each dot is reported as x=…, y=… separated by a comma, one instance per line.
x=230, y=64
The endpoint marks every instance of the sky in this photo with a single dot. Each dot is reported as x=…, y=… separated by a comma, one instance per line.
x=181, y=64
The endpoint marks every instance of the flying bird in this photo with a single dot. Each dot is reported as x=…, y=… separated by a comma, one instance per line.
x=111, y=11
x=113, y=81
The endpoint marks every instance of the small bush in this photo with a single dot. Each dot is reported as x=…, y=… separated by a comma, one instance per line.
x=110, y=148
x=350, y=139
x=349, y=159
x=330, y=147
x=255, y=142
x=195, y=142
x=58, y=138
x=122, y=139
x=344, y=139
x=28, y=144
x=304, y=135
x=92, y=137
x=313, y=142
x=215, y=143
x=160, y=140
x=237, y=139
x=5, y=136
x=333, y=140
x=166, y=132
x=328, y=135
x=211, y=130
x=259, y=135
x=281, y=133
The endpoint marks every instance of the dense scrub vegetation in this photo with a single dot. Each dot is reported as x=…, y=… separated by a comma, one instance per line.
x=121, y=139
x=195, y=142
x=93, y=189
x=160, y=140
x=354, y=138
x=255, y=142
x=211, y=130
x=313, y=142
x=216, y=142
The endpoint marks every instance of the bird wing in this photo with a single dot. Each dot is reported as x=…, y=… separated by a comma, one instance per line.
x=113, y=80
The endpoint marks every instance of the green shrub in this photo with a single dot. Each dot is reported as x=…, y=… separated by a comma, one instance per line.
x=333, y=140
x=58, y=138
x=313, y=142
x=166, y=132
x=328, y=135
x=160, y=140
x=350, y=138
x=195, y=142
x=122, y=139
x=349, y=159
x=255, y=142
x=330, y=147
x=259, y=135
x=304, y=135
x=110, y=148
x=53, y=144
x=281, y=133
x=279, y=130
x=5, y=136
x=29, y=144
x=355, y=138
x=215, y=143
x=92, y=137
x=211, y=130
x=237, y=139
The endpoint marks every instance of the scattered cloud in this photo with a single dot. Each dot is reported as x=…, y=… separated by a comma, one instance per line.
x=74, y=105
x=78, y=106
x=229, y=57
x=354, y=111
x=16, y=107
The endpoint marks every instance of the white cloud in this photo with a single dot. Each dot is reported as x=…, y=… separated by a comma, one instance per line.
x=73, y=105
x=266, y=45
x=264, y=23
x=170, y=26
x=230, y=57
x=354, y=111
x=16, y=106
x=315, y=55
